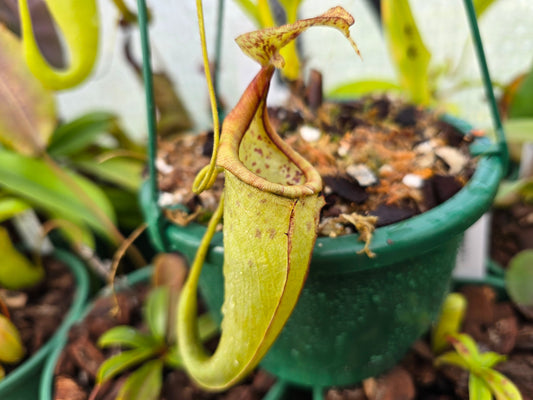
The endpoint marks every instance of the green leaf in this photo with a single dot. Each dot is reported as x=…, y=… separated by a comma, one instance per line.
x=466, y=347
x=452, y=358
x=156, y=312
x=126, y=336
x=172, y=358
x=519, y=130
x=407, y=49
x=126, y=205
x=477, y=389
x=124, y=172
x=42, y=185
x=522, y=102
x=501, y=386
x=355, y=89
x=519, y=278
x=143, y=384
x=11, y=346
x=76, y=135
x=251, y=9
x=449, y=322
x=11, y=206
x=78, y=24
x=123, y=361
x=510, y=192
x=490, y=359
x=480, y=6
x=16, y=271
x=27, y=110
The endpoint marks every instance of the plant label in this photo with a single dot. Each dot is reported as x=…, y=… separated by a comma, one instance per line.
x=473, y=253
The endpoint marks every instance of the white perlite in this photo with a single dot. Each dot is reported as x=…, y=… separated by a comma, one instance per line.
x=310, y=134
x=413, y=181
x=455, y=160
x=362, y=174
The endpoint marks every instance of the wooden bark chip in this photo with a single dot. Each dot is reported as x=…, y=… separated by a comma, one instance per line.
x=271, y=207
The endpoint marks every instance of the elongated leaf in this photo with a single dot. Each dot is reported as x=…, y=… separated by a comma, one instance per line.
x=123, y=361
x=124, y=172
x=271, y=209
x=74, y=136
x=11, y=347
x=126, y=336
x=408, y=51
x=480, y=6
x=143, y=384
x=452, y=358
x=490, y=359
x=36, y=181
x=27, y=110
x=519, y=130
x=477, y=389
x=11, y=206
x=519, y=278
x=156, y=312
x=522, y=102
x=501, y=386
x=16, y=271
x=449, y=322
x=78, y=22
x=466, y=347
x=354, y=89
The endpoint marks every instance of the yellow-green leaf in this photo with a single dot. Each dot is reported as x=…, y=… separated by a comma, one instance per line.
x=16, y=271
x=500, y=385
x=11, y=347
x=122, y=362
x=477, y=389
x=126, y=336
x=480, y=6
x=143, y=384
x=11, y=206
x=351, y=90
x=408, y=51
x=78, y=22
x=43, y=186
x=27, y=109
x=449, y=322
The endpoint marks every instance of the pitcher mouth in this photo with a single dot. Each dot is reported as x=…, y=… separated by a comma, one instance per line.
x=302, y=180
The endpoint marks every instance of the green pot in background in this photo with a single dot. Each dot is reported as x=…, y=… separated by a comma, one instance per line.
x=358, y=316
x=23, y=382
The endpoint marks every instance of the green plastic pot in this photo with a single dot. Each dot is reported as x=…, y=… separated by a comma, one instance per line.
x=45, y=390
x=23, y=382
x=358, y=316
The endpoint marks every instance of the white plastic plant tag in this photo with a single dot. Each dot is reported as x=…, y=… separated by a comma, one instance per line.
x=526, y=161
x=472, y=257
x=30, y=230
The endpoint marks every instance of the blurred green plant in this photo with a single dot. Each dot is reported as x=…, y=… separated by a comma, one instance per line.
x=483, y=381
x=417, y=78
x=11, y=347
x=519, y=279
x=148, y=353
x=47, y=166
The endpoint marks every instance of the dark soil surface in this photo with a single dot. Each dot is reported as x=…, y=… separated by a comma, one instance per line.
x=38, y=312
x=376, y=156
